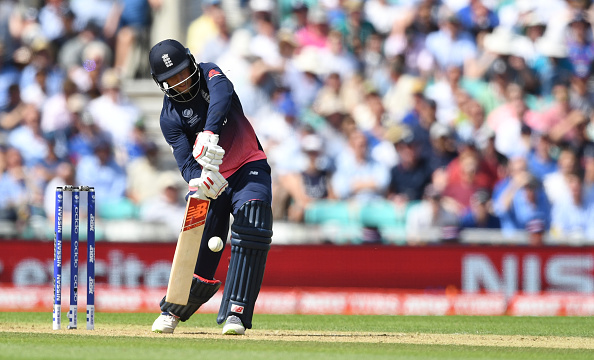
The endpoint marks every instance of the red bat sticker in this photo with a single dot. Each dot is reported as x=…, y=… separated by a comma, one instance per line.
x=196, y=214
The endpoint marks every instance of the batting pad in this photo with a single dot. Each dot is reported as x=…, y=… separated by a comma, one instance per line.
x=251, y=235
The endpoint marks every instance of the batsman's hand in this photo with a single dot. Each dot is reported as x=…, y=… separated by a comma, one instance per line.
x=207, y=151
x=210, y=183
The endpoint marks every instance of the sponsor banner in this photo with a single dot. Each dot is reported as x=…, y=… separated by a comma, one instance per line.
x=552, y=305
x=321, y=302
x=467, y=269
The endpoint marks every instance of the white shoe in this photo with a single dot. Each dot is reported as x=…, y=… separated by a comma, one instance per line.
x=233, y=326
x=165, y=323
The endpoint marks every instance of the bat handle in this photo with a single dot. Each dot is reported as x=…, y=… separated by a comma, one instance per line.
x=198, y=194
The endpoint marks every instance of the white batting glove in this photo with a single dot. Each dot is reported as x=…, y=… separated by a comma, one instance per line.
x=207, y=151
x=210, y=183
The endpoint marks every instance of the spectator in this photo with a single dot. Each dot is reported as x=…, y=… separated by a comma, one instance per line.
x=399, y=98
x=13, y=189
x=442, y=149
x=539, y=160
x=378, y=56
x=521, y=203
x=431, y=220
x=551, y=64
x=167, y=206
x=479, y=214
x=382, y=14
x=476, y=16
x=450, y=45
x=28, y=138
x=138, y=143
x=71, y=52
x=335, y=131
x=312, y=183
x=306, y=83
x=337, y=58
x=109, y=179
x=128, y=25
x=90, y=12
x=12, y=115
x=370, y=112
x=55, y=116
x=218, y=44
x=466, y=175
x=412, y=174
x=588, y=178
x=380, y=149
x=329, y=96
x=581, y=48
x=44, y=170
x=242, y=69
x=581, y=96
x=297, y=18
x=99, y=55
x=52, y=18
x=532, y=27
x=36, y=92
x=357, y=176
x=547, y=120
x=420, y=122
x=355, y=28
x=408, y=39
x=141, y=174
x=204, y=28
x=509, y=121
x=65, y=174
x=114, y=113
x=555, y=183
x=477, y=67
x=264, y=43
x=315, y=32
x=84, y=134
x=43, y=58
x=472, y=127
x=444, y=92
x=353, y=91
x=280, y=133
x=573, y=219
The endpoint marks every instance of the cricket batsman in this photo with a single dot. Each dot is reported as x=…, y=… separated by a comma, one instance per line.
x=219, y=155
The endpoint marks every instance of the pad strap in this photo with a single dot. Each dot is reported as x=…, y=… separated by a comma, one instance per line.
x=201, y=291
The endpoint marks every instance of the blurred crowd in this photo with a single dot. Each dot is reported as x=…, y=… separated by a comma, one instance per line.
x=414, y=114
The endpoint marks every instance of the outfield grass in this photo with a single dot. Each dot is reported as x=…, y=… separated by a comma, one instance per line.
x=27, y=336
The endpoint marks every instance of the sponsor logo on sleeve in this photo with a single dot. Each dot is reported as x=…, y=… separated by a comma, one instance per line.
x=212, y=73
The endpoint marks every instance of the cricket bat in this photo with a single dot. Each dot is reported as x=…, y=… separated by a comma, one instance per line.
x=186, y=251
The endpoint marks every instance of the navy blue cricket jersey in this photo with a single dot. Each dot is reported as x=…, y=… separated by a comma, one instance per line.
x=216, y=108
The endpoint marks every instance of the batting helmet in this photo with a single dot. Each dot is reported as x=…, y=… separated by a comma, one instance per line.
x=168, y=58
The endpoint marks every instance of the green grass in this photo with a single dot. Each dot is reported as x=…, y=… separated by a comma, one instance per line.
x=88, y=345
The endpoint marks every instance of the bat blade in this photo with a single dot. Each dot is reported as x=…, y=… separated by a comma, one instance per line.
x=186, y=251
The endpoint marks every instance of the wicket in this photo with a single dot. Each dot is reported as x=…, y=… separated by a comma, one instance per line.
x=74, y=237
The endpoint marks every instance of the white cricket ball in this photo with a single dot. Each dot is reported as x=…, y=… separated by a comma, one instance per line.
x=215, y=244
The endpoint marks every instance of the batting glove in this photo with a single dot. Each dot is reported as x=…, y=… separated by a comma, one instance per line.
x=207, y=151
x=210, y=183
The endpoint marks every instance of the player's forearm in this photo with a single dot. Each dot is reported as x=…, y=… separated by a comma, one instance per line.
x=190, y=170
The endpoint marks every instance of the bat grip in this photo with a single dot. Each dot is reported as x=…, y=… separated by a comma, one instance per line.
x=198, y=194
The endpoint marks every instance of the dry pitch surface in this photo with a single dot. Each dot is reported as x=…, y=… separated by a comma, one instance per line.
x=552, y=342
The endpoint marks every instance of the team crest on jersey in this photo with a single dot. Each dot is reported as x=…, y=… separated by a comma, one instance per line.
x=212, y=73
x=187, y=112
x=167, y=60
